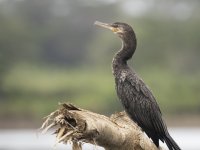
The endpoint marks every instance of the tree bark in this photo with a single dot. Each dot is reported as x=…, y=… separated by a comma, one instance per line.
x=78, y=126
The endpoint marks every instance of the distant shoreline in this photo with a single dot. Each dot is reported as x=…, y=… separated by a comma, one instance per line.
x=171, y=121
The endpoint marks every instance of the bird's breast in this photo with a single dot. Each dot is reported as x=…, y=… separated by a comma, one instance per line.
x=127, y=87
x=120, y=80
x=122, y=76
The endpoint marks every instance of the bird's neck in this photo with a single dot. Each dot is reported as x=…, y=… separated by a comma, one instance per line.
x=124, y=54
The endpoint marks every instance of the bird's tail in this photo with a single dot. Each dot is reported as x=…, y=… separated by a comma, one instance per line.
x=171, y=144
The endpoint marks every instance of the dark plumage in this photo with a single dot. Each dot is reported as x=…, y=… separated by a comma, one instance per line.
x=135, y=96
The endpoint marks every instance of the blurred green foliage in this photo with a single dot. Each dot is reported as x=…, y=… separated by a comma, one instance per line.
x=35, y=91
x=50, y=52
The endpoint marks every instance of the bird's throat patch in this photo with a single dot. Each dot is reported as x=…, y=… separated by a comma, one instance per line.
x=116, y=30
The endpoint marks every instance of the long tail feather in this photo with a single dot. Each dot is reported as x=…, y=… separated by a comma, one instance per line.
x=171, y=144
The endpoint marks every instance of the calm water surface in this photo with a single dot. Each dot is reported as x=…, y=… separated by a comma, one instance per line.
x=187, y=138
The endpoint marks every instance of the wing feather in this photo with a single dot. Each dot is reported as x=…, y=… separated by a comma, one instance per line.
x=141, y=105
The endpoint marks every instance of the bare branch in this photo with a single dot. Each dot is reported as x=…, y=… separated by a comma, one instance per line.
x=79, y=126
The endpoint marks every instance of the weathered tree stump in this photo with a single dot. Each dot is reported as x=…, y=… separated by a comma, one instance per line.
x=78, y=126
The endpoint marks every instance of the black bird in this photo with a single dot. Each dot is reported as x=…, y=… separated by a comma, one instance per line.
x=136, y=98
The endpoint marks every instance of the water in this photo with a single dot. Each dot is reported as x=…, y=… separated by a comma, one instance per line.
x=187, y=138
x=32, y=140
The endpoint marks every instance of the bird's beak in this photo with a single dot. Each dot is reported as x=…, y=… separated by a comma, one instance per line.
x=107, y=26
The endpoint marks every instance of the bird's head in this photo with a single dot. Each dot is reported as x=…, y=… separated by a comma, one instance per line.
x=119, y=28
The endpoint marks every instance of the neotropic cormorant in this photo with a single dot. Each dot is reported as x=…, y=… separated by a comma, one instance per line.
x=136, y=98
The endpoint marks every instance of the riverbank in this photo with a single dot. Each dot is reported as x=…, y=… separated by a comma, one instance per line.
x=28, y=123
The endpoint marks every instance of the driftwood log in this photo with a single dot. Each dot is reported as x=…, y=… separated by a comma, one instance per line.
x=77, y=126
